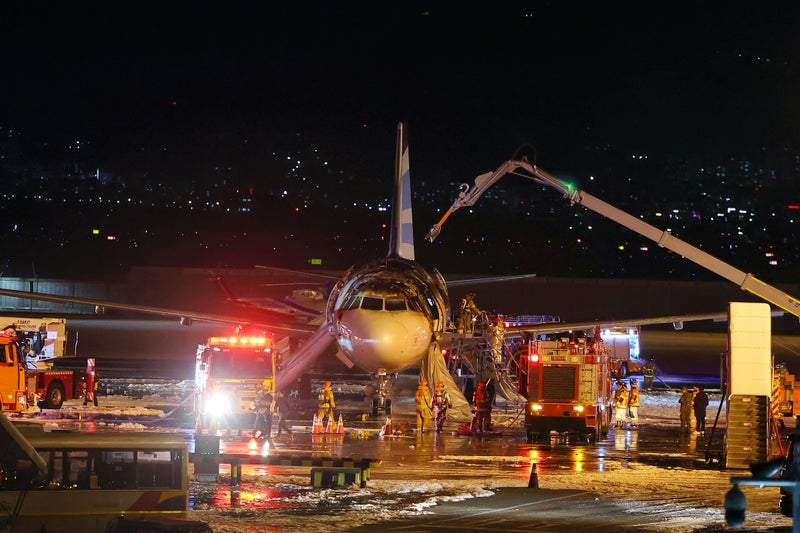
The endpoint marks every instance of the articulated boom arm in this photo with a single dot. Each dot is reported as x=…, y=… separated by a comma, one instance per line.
x=469, y=195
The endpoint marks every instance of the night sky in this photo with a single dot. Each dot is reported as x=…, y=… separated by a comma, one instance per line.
x=203, y=101
x=191, y=80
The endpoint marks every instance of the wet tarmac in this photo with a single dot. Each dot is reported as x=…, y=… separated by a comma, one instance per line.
x=652, y=479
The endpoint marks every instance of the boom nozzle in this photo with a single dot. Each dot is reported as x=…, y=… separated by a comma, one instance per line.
x=434, y=232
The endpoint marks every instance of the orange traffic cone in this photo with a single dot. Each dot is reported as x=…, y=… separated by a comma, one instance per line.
x=340, y=425
x=317, y=425
x=330, y=428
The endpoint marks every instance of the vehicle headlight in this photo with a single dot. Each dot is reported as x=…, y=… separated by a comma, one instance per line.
x=218, y=405
x=578, y=408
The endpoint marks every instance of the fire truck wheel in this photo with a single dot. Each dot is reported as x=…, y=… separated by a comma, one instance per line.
x=785, y=505
x=54, y=398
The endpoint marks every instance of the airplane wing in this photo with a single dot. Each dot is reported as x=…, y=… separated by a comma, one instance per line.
x=676, y=320
x=285, y=310
x=271, y=321
x=491, y=279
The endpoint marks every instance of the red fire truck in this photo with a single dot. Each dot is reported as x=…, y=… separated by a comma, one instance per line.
x=622, y=347
x=568, y=387
x=21, y=387
x=228, y=374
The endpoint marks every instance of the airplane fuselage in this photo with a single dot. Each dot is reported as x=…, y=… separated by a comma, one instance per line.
x=386, y=315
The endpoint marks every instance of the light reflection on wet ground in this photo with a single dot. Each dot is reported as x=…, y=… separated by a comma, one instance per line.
x=454, y=457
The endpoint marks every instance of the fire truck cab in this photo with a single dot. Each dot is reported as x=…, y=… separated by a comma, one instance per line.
x=567, y=384
x=229, y=372
x=22, y=387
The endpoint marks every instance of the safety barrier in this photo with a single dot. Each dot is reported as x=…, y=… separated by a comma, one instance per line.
x=206, y=462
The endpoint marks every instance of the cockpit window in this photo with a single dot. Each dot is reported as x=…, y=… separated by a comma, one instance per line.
x=371, y=303
x=354, y=302
x=395, y=304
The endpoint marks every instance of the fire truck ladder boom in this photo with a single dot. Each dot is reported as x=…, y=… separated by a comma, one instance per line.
x=468, y=195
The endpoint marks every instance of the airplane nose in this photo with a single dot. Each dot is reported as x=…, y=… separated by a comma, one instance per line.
x=392, y=341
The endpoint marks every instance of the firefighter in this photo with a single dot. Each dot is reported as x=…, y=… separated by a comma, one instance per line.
x=423, y=401
x=467, y=311
x=263, y=410
x=440, y=404
x=649, y=372
x=482, y=405
x=686, y=410
x=621, y=405
x=282, y=409
x=618, y=390
x=633, y=404
x=326, y=404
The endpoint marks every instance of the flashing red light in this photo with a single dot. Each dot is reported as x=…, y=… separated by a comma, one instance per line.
x=793, y=206
x=534, y=358
x=250, y=341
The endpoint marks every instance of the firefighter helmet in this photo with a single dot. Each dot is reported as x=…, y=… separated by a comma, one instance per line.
x=327, y=384
x=423, y=382
x=440, y=385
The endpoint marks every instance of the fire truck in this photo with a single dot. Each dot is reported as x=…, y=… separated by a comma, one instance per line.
x=22, y=387
x=622, y=345
x=42, y=339
x=567, y=384
x=785, y=392
x=229, y=372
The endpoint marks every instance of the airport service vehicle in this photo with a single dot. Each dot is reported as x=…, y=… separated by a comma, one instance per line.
x=21, y=386
x=567, y=384
x=44, y=338
x=63, y=482
x=785, y=392
x=622, y=345
x=228, y=374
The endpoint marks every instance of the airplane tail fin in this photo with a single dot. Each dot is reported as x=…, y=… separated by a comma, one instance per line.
x=401, y=240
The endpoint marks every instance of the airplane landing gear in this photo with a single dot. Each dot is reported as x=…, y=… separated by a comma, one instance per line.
x=381, y=403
